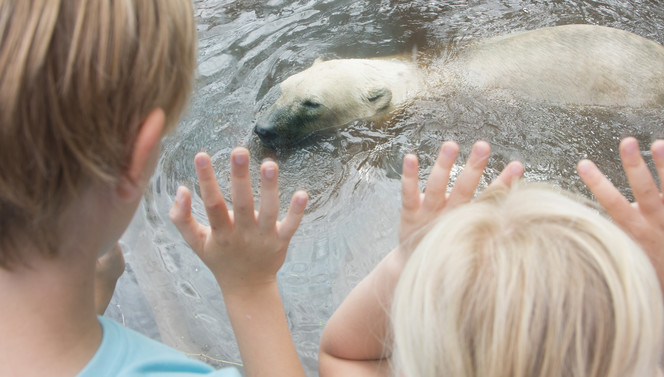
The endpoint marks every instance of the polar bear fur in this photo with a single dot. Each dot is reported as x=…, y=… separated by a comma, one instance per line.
x=573, y=64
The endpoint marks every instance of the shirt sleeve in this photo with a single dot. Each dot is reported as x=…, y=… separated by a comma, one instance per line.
x=126, y=353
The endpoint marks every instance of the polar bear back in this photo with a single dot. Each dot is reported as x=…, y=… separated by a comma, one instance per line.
x=573, y=64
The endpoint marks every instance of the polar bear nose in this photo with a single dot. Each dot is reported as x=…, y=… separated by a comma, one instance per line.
x=265, y=134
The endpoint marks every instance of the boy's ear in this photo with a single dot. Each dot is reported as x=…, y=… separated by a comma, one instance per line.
x=143, y=156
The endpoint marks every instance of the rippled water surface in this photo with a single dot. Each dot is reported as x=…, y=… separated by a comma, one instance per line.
x=352, y=175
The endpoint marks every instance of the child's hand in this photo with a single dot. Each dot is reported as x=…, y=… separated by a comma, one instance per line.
x=242, y=248
x=643, y=220
x=110, y=267
x=419, y=209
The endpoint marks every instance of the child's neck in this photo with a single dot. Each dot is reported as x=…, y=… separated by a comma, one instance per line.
x=48, y=313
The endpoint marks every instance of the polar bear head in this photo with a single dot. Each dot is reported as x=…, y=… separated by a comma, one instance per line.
x=331, y=94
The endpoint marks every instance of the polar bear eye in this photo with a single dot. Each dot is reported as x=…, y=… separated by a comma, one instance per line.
x=311, y=104
x=375, y=98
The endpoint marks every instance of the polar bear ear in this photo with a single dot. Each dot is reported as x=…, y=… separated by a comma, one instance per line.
x=318, y=60
x=380, y=98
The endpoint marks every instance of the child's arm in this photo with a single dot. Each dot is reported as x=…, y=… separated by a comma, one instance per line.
x=110, y=267
x=355, y=341
x=643, y=220
x=244, y=250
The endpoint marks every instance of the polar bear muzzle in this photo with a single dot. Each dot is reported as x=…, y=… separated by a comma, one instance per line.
x=288, y=124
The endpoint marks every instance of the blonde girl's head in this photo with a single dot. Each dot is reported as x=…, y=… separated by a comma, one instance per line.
x=527, y=282
x=77, y=78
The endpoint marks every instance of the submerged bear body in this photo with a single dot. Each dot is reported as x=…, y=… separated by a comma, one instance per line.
x=574, y=64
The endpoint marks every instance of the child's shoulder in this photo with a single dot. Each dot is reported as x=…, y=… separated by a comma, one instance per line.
x=125, y=352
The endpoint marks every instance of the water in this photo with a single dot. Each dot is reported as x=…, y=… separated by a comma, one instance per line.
x=352, y=175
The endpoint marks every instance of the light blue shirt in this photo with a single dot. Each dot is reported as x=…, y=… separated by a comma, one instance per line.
x=126, y=353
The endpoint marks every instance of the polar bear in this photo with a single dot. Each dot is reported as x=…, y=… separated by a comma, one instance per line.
x=572, y=64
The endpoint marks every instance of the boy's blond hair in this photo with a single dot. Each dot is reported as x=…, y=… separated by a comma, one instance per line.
x=527, y=282
x=77, y=78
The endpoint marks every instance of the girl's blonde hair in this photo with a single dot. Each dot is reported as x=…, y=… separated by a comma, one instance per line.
x=77, y=78
x=527, y=282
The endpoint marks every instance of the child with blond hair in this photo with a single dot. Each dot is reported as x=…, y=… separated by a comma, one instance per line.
x=522, y=281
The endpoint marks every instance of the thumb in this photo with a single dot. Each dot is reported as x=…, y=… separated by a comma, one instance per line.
x=291, y=222
x=180, y=214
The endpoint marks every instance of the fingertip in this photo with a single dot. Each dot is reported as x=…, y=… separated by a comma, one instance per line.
x=301, y=198
x=629, y=145
x=410, y=162
x=290, y=223
x=268, y=162
x=201, y=159
x=180, y=205
x=240, y=150
x=269, y=169
x=511, y=173
x=240, y=155
x=180, y=194
x=481, y=148
x=174, y=214
x=628, y=139
x=479, y=155
x=585, y=167
x=482, y=143
x=449, y=149
x=516, y=168
x=657, y=149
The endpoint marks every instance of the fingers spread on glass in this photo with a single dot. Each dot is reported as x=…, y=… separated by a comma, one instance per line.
x=644, y=219
x=240, y=246
x=418, y=210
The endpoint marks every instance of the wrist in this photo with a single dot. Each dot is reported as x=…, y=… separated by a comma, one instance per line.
x=397, y=259
x=248, y=288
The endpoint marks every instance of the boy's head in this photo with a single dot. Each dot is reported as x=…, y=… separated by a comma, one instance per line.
x=77, y=78
x=527, y=282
